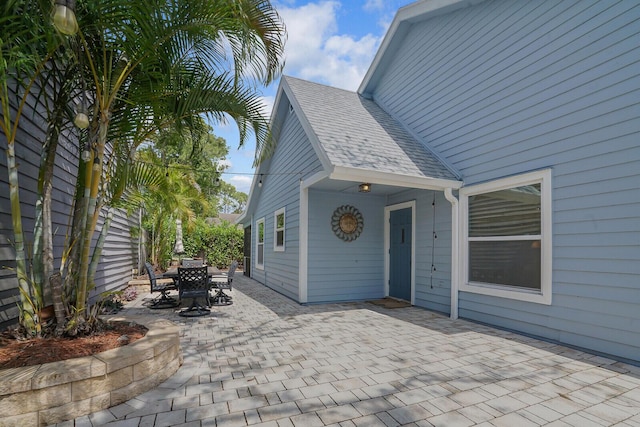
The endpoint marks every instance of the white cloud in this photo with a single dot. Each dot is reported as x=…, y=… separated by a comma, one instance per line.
x=267, y=105
x=241, y=182
x=316, y=50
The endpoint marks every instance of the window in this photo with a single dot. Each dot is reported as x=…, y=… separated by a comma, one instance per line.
x=278, y=230
x=507, y=227
x=260, y=244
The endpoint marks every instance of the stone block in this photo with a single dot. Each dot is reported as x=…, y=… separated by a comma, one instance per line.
x=74, y=409
x=127, y=355
x=16, y=380
x=66, y=371
x=35, y=400
x=95, y=386
x=138, y=387
x=146, y=367
x=30, y=419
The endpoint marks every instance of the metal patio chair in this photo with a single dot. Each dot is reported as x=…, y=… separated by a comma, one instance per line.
x=223, y=282
x=163, y=286
x=194, y=284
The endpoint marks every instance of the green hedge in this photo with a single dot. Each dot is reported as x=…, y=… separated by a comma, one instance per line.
x=219, y=244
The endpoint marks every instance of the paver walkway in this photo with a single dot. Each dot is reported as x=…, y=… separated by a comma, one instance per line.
x=268, y=361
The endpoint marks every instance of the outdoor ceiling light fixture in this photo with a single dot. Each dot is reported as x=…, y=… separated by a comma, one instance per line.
x=64, y=16
x=365, y=187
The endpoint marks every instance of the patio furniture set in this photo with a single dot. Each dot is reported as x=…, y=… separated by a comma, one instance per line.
x=205, y=286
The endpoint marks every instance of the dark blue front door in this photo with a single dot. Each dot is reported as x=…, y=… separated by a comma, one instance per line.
x=400, y=254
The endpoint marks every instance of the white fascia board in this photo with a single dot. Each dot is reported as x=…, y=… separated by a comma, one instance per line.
x=407, y=15
x=254, y=188
x=306, y=126
x=315, y=178
x=385, y=178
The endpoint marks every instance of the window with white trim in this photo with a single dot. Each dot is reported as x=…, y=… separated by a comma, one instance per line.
x=260, y=244
x=278, y=230
x=507, y=232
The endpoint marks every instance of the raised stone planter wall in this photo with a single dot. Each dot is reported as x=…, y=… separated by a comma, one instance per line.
x=54, y=392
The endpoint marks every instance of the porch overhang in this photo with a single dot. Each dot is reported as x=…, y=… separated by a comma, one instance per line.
x=393, y=179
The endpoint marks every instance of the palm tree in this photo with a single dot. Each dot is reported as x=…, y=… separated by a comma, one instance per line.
x=146, y=65
x=27, y=45
x=164, y=63
x=175, y=197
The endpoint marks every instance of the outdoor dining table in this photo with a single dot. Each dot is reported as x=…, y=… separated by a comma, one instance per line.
x=172, y=273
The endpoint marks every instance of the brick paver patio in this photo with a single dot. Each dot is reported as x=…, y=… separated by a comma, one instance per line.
x=267, y=361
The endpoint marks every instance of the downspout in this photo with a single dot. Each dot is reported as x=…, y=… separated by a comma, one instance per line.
x=303, y=236
x=455, y=261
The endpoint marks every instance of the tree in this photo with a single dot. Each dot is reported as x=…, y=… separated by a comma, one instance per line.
x=199, y=152
x=175, y=197
x=230, y=199
x=26, y=46
x=143, y=66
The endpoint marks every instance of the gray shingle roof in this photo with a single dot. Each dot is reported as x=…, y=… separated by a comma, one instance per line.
x=355, y=132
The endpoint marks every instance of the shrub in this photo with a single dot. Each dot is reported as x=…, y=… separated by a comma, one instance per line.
x=219, y=244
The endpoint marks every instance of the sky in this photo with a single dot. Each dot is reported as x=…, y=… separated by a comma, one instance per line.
x=328, y=41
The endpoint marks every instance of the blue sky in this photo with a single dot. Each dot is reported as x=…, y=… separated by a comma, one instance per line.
x=329, y=42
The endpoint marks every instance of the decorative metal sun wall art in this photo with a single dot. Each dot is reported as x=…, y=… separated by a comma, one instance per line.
x=347, y=223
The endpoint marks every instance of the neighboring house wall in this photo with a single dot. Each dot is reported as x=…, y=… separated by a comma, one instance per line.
x=120, y=250
x=293, y=160
x=339, y=270
x=517, y=86
x=432, y=288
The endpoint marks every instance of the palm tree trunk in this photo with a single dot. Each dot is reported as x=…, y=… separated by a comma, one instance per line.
x=43, y=232
x=92, y=187
x=29, y=301
x=97, y=251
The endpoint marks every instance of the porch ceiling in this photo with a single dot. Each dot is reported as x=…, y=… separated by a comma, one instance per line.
x=351, y=187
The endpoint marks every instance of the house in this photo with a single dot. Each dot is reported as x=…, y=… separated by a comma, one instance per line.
x=488, y=167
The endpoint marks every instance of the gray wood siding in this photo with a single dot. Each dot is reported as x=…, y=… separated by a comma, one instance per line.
x=507, y=87
x=293, y=160
x=120, y=252
x=339, y=270
x=432, y=289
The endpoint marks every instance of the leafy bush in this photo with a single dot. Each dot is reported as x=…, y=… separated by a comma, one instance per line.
x=218, y=244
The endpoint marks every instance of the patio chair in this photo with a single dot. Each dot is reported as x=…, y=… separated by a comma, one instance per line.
x=163, y=286
x=194, y=283
x=188, y=263
x=223, y=282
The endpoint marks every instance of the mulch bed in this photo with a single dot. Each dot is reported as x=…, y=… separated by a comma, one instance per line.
x=18, y=353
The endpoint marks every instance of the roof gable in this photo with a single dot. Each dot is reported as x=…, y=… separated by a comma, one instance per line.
x=402, y=22
x=354, y=132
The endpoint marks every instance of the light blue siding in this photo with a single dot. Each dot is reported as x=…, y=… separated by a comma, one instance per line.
x=339, y=270
x=293, y=160
x=507, y=87
x=432, y=288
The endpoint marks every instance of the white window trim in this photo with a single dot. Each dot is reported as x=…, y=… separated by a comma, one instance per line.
x=542, y=296
x=258, y=222
x=277, y=248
